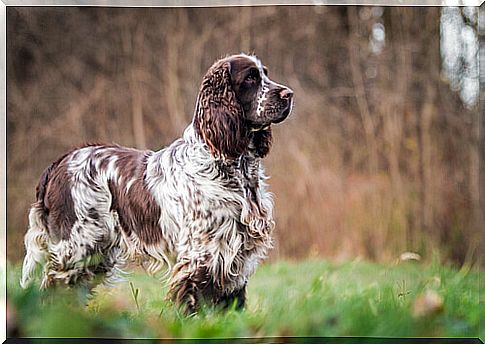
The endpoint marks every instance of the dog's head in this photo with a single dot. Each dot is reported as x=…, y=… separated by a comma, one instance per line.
x=236, y=106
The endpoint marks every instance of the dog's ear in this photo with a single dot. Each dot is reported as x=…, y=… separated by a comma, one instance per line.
x=219, y=117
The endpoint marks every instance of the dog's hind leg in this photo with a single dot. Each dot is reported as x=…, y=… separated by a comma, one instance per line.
x=92, y=254
x=74, y=260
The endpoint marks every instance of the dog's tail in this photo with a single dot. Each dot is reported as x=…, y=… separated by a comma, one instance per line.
x=35, y=239
x=35, y=244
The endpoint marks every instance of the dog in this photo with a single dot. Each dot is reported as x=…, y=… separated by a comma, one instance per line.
x=201, y=203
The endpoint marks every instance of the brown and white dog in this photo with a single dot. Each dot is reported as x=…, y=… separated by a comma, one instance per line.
x=201, y=202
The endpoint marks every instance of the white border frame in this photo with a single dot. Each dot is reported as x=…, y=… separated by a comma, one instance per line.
x=151, y=3
x=3, y=171
x=230, y=3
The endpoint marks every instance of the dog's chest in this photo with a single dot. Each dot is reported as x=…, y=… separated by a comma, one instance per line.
x=206, y=195
x=225, y=188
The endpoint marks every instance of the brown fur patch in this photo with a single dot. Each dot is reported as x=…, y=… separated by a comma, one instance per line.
x=137, y=209
x=57, y=200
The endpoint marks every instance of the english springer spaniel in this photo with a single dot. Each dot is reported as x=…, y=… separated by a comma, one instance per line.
x=200, y=203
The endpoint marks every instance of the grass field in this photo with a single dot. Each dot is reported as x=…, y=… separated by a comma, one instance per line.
x=311, y=298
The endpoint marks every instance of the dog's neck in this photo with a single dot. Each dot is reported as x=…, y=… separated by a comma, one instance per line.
x=258, y=147
x=189, y=135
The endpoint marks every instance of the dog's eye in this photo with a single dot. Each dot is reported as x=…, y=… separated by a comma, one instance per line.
x=253, y=76
x=265, y=70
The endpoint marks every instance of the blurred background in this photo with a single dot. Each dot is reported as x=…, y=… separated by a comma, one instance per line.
x=380, y=155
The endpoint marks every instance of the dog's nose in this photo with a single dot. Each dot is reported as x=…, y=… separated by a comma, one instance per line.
x=286, y=93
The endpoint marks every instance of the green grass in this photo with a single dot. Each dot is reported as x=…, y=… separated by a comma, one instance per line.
x=311, y=298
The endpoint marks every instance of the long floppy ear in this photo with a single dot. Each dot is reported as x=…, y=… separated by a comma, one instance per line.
x=219, y=118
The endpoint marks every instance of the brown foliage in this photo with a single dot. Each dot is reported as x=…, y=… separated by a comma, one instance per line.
x=378, y=157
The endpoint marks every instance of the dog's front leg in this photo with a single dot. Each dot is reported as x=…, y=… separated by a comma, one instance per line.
x=189, y=280
x=236, y=298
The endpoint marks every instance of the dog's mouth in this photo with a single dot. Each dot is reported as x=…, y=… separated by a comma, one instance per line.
x=283, y=114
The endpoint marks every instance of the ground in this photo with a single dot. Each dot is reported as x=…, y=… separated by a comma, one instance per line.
x=309, y=298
